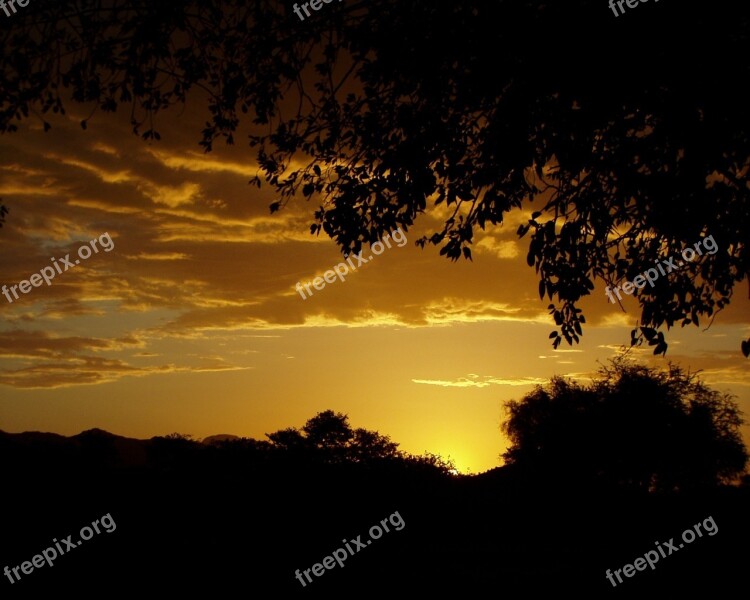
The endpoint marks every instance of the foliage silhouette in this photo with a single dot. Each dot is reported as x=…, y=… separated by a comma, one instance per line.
x=622, y=154
x=210, y=518
x=634, y=427
x=325, y=439
x=328, y=437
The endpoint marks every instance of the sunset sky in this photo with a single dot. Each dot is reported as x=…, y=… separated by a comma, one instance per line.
x=192, y=324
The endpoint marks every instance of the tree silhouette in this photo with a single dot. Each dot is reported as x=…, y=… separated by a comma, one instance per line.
x=328, y=430
x=623, y=154
x=328, y=436
x=634, y=427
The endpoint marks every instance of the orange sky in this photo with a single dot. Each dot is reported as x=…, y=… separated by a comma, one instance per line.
x=192, y=324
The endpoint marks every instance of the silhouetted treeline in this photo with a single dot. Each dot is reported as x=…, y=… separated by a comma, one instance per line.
x=238, y=516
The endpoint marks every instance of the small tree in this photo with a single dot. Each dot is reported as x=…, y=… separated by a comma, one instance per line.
x=329, y=436
x=633, y=427
x=328, y=430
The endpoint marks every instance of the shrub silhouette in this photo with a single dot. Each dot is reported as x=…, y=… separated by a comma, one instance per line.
x=633, y=427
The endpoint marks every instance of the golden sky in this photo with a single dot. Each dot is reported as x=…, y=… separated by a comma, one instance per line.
x=192, y=324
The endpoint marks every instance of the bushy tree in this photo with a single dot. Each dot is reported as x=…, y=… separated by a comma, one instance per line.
x=633, y=426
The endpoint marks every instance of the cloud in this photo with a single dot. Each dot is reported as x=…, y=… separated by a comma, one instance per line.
x=200, y=163
x=158, y=256
x=499, y=248
x=20, y=343
x=186, y=194
x=473, y=380
x=461, y=310
x=41, y=360
x=101, y=206
x=90, y=370
x=101, y=147
x=105, y=175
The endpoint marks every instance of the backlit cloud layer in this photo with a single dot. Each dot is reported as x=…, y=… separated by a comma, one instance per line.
x=199, y=291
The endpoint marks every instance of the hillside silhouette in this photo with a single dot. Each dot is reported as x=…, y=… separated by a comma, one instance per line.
x=239, y=515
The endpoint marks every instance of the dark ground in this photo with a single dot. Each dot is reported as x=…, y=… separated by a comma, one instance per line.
x=199, y=520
